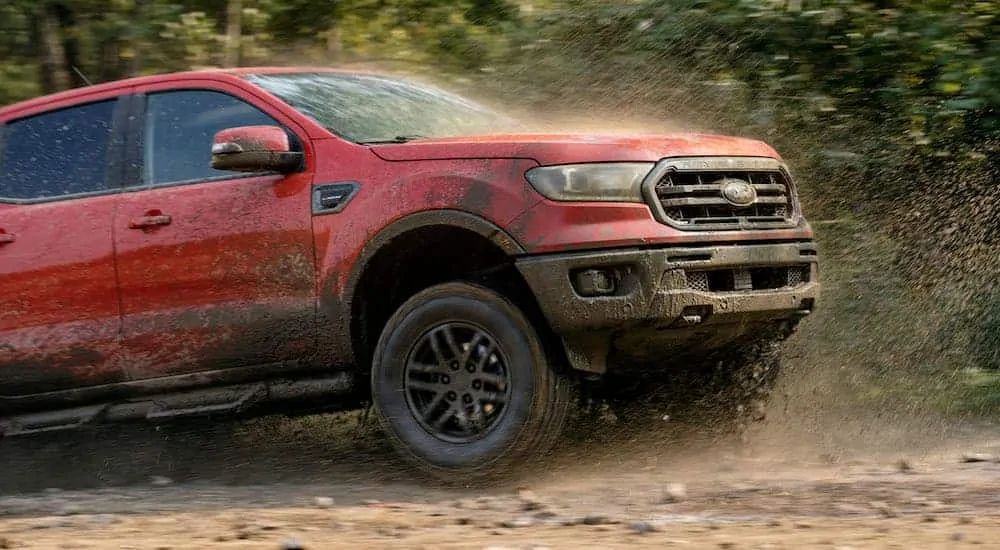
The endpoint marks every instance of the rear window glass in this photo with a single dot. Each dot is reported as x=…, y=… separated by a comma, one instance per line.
x=57, y=154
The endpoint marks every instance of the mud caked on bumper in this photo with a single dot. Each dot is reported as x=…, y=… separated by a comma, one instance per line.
x=660, y=302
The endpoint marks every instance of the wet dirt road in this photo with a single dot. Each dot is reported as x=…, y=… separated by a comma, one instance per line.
x=330, y=484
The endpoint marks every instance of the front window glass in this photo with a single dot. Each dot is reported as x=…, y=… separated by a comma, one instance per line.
x=180, y=127
x=368, y=108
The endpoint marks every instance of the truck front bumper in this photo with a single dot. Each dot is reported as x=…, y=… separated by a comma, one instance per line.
x=657, y=303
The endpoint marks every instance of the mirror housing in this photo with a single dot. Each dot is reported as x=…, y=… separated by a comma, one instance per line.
x=255, y=149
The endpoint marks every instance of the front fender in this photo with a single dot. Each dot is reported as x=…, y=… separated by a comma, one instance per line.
x=479, y=196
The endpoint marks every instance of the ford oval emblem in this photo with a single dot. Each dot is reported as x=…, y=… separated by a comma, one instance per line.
x=738, y=192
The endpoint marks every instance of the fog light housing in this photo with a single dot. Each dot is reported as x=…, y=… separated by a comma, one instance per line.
x=595, y=282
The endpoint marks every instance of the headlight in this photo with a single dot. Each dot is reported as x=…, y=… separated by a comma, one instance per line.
x=605, y=182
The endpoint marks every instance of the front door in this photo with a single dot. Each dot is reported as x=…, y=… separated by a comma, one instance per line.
x=216, y=269
x=59, y=315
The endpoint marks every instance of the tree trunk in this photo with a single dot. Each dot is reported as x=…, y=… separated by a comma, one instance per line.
x=234, y=32
x=137, y=42
x=50, y=50
x=71, y=45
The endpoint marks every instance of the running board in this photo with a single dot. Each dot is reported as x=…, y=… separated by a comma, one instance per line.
x=224, y=400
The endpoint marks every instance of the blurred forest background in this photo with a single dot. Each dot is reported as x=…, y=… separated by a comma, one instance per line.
x=886, y=110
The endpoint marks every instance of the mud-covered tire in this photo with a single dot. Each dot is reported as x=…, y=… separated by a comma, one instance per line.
x=409, y=371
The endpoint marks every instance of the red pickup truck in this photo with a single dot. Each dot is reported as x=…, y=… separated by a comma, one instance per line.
x=235, y=242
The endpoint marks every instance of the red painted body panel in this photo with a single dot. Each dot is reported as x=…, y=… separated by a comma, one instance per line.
x=494, y=190
x=553, y=226
x=571, y=148
x=255, y=138
x=243, y=268
x=231, y=281
x=188, y=289
x=59, y=313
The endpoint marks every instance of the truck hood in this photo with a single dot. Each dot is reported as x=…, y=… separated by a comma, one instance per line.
x=571, y=148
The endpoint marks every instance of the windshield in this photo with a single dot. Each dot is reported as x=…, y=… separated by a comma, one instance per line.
x=372, y=109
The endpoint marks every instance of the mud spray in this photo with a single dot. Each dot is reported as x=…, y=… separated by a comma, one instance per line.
x=880, y=372
x=895, y=363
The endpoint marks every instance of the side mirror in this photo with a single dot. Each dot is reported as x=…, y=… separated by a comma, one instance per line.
x=255, y=149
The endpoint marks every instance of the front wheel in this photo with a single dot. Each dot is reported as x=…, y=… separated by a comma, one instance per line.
x=462, y=385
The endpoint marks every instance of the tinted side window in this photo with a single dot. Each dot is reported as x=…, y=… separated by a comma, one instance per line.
x=179, y=130
x=59, y=153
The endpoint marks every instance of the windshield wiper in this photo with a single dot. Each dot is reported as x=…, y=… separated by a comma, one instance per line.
x=397, y=139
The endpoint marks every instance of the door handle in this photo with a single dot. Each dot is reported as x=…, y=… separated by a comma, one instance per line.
x=151, y=219
x=6, y=238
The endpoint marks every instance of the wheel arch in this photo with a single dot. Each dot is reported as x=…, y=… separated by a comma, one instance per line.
x=493, y=240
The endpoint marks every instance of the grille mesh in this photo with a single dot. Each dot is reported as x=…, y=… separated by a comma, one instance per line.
x=758, y=278
x=795, y=276
x=698, y=280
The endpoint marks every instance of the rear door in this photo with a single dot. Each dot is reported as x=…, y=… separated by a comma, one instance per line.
x=59, y=315
x=216, y=269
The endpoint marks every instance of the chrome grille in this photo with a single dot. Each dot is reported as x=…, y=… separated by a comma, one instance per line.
x=695, y=199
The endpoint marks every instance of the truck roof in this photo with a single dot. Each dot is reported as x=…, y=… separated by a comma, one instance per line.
x=213, y=73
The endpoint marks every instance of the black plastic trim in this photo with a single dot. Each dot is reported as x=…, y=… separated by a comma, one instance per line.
x=646, y=293
x=343, y=192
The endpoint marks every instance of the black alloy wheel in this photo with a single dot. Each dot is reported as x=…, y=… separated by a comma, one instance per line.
x=457, y=382
x=462, y=385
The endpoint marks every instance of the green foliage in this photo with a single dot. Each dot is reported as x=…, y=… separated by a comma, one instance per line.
x=892, y=82
x=112, y=39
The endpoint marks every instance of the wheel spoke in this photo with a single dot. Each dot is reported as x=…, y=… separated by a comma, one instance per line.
x=445, y=416
x=473, y=345
x=435, y=404
x=421, y=385
x=449, y=337
x=494, y=379
x=436, y=348
x=423, y=368
x=485, y=357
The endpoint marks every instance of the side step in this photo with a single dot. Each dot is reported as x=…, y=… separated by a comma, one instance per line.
x=223, y=400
